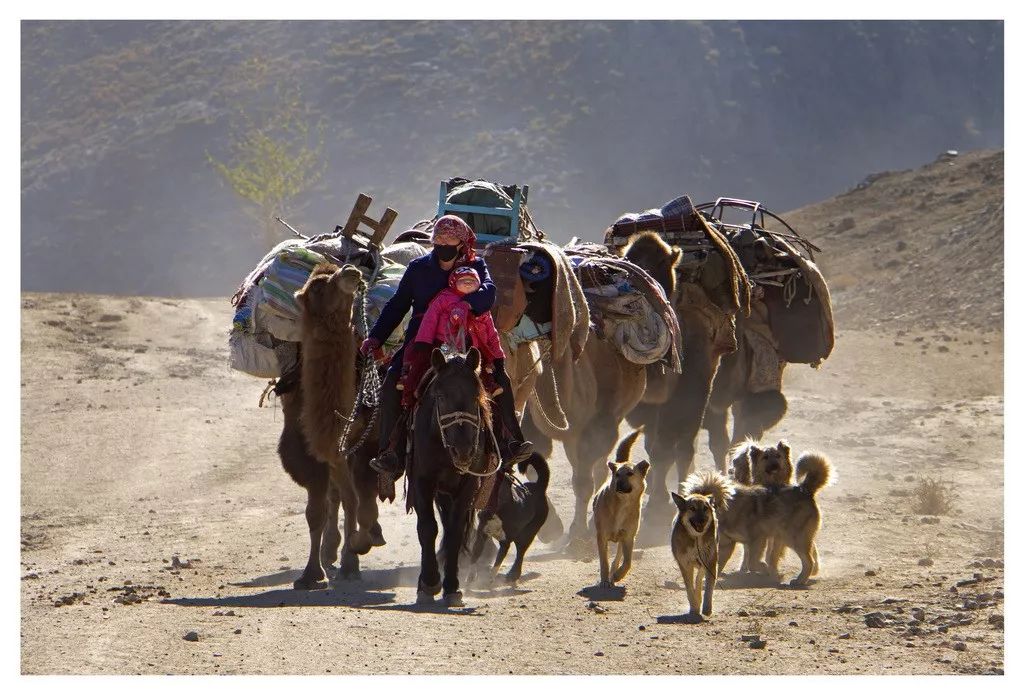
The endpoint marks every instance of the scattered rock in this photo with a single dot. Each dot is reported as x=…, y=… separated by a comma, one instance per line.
x=191, y=636
x=770, y=612
x=870, y=573
x=925, y=562
x=875, y=619
x=597, y=608
x=599, y=654
x=960, y=646
x=844, y=636
x=996, y=621
x=757, y=644
x=237, y=631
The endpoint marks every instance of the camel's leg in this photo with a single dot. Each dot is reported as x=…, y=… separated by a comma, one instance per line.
x=582, y=486
x=332, y=537
x=429, y=583
x=349, y=566
x=716, y=423
x=756, y=413
x=316, y=516
x=592, y=450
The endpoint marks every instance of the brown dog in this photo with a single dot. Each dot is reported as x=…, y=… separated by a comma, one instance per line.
x=616, y=509
x=786, y=516
x=695, y=536
x=762, y=466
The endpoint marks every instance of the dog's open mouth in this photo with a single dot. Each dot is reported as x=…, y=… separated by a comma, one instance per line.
x=698, y=524
x=623, y=488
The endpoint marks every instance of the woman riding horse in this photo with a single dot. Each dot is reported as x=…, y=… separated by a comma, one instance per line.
x=424, y=278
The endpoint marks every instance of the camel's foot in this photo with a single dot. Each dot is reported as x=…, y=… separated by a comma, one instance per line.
x=424, y=597
x=453, y=599
x=579, y=547
x=377, y=535
x=329, y=547
x=311, y=580
x=360, y=542
x=349, y=567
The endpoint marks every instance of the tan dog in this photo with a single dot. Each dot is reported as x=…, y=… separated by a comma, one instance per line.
x=786, y=516
x=761, y=466
x=695, y=536
x=617, y=510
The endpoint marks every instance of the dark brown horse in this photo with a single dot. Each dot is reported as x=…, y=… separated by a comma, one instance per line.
x=449, y=456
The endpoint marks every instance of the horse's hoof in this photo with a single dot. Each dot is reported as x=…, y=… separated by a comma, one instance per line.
x=360, y=542
x=454, y=599
x=305, y=583
x=423, y=597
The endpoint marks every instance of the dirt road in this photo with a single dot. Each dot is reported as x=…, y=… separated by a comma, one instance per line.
x=153, y=505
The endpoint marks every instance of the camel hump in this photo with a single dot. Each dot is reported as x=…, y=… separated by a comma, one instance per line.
x=625, y=445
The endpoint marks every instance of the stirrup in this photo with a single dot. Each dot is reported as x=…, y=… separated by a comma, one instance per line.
x=386, y=463
x=521, y=452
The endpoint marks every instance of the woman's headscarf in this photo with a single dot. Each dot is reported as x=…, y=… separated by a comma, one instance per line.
x=456, y=227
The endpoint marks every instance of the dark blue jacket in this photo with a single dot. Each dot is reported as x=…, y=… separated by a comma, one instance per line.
x=422, y=280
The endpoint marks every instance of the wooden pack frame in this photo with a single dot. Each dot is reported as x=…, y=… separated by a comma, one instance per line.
x=358, y=216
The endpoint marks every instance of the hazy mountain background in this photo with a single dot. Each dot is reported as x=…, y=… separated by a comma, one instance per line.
x=118, y=195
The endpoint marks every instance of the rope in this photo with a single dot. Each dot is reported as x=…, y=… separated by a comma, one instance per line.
x=368, y=393
x=558, y=402
x=266, y=391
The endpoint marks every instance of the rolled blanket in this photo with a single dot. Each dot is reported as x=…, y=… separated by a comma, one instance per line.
x=594, y=260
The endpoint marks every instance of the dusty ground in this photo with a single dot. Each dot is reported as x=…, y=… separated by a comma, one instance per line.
x=139, y=446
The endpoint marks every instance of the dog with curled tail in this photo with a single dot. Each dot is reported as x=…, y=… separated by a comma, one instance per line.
x=694, y=537
x=616, y=509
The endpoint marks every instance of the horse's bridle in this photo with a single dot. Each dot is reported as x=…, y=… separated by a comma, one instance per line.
x=452, y=419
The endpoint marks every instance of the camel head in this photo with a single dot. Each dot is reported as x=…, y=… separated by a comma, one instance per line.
x=328, y=292
x=651, y=253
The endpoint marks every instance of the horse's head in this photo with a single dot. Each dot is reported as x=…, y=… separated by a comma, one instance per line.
x=461, y=406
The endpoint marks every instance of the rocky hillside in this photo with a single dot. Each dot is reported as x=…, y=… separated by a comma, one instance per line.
x=598, y=117
x=916, y=248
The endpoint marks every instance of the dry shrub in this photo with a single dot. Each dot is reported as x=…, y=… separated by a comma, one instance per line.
x=933, y=497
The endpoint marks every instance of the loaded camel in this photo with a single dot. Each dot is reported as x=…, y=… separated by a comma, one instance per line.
x=673, y=405
x=308, y=446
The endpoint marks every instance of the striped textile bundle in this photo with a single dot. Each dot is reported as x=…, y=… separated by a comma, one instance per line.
x=285, y=276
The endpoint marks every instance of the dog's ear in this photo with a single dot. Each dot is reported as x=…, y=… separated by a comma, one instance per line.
x=741, y=467
x=679, y=500
x=611, y=466
x=437, y=360
x=642, y=468
x=783, y=446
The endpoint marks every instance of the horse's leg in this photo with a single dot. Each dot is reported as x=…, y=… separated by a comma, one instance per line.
x=316, y=516
x=429, y=583
x=332, y=537
x=457, y=521
x=716, y=423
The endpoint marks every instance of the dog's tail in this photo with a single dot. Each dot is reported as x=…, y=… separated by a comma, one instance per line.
x=813, y=472
x=625, y=445
x=710, y=483
x=540, y=465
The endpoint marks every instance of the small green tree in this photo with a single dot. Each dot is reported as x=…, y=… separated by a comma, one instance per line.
x=275, y=155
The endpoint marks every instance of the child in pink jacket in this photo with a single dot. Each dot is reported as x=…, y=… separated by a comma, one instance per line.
x=448, y=320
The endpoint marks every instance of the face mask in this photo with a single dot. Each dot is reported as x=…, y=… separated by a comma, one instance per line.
x=446, y=252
